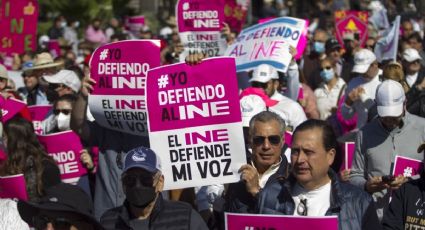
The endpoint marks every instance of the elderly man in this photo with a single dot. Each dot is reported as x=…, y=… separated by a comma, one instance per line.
x=394, y=132
x=144, y=207
x=313, y=188
x=268, y=165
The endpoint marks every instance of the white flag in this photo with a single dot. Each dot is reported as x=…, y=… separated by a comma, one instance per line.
x=386, y=46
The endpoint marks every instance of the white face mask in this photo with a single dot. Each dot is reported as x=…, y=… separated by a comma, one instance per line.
x=64, y=121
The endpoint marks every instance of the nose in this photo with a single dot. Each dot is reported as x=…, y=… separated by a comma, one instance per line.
x=301, y=157
x=266, y=145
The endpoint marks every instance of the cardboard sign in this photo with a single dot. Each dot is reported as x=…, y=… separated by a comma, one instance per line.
x=195, y=122
x=234, y=221
x=38, y=114
x=11, y=107
x=13, y=187
x=65, y=149
x=199, y=23
x=267, y=43
x=118, y=99
x=235, y=12
x=349, y=149
x=406, y=166
x=18, y=20
x=351, y=24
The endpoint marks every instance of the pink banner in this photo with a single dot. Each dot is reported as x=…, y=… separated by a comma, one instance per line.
x=235, y=14
x=279, y=222
x=195, y=122
x=200, y=15
x=406, y=166
x=11, y=107
x=135, y=24
x=352, y=25
x=118, y=98
x=347, y=161
x=38, y=114
x=65, y=148
x=13, y=187
x=18, y=20
x=288, y=138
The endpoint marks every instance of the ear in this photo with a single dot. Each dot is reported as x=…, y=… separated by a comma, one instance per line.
x=330, y=156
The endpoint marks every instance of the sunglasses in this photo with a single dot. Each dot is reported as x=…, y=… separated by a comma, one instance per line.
x=414, y=62
x=53, y=86
x=131, y=180
x=274, y=140
x=256, y=84
x=326, y=67
x=64, y=111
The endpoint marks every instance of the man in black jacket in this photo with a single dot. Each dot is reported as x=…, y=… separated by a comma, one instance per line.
x=144, y=207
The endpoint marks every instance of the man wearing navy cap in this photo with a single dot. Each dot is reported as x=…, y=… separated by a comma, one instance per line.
x=144, y=207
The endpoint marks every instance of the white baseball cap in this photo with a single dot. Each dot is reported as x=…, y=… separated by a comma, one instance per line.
x=251, y=105
x=362, y=60
x=264, y=73
x=411, y=55
x=66, y=77
x=390, y=99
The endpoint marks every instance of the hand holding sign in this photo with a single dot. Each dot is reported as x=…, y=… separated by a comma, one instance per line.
x=250, y=176
x=87, y=86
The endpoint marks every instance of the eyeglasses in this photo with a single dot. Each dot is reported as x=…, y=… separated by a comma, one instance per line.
x=274, y=140
x=131, y=180
x=326, y=67
x=302, y=207
x=41, y=222
x=64, y=111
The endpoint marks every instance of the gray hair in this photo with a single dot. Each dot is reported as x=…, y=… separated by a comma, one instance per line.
x=266, y=116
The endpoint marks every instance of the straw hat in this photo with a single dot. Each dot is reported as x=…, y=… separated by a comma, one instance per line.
x=43, y=61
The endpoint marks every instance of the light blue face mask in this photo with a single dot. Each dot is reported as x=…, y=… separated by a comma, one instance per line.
x=327, y=74
x=319, y=47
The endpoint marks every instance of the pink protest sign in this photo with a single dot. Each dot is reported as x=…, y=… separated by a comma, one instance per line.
x=235, y=12
x=349, y=148
x=118, y=98
x=18, y=21
x=195, y=122
x=135, y=24
x=13, y=186
x=406, y=166
x=11, y=107
x=352, y=25
x=65, y=148
x=267, y=43
x=236, y=221
x=199, y=23
x=38, y=114
x=288, y=138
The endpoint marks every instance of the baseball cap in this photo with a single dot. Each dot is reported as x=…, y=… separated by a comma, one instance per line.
x=250, y=106
x=390, y=99
x=66, y=77
x=411, y=54
x=144, y=158
x=332, y=43
x=362, y=60
x=264, y=73
x=259, y=92
x=60, y=200
x=3, y=72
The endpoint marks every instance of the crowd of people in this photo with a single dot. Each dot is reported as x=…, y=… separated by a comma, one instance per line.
x=333, y=94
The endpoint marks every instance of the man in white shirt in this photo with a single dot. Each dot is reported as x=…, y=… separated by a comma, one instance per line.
x=360, y=92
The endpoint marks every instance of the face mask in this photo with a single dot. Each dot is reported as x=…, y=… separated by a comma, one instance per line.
x=76, y=24
x=319, y=47
x=64, y=121
x=140, y=196
x=327, y=75
x=63, y=24
x=52, y=95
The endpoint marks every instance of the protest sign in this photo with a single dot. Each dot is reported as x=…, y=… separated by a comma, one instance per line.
x=38, y=114
x=235, y=12
x=352, y=25
x=65, y=149
x=406, y=166
x=234, y=221
x=386, y=47
x=199, y=23
x=10, y=107
x=349, y=148
x=18, y=21
x=267, y=43
x=196, y=111
x=118, y=99
x=13, y=187
x=135, y=24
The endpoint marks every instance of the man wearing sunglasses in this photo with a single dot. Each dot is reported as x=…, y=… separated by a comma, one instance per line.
x=64, y=207
x=267, y=169
x=144, y=207
x=61, y=83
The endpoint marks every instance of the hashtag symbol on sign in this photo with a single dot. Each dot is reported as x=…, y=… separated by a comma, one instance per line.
x=407, y=172
x=163, y=81
x=104, y=54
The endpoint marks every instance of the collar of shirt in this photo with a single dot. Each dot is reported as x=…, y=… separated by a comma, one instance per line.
x=263, y=178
